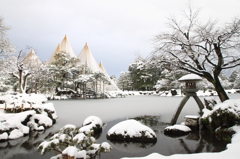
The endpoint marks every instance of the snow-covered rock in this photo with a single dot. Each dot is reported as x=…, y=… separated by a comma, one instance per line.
x=15, y=134
x=91, y=123
x=3, y=136
x=37, y=115
x=131, y=130
x=177, y=130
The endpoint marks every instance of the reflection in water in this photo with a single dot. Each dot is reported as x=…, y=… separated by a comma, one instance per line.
x=112, y=111
x=24, y=146
x=133, y=147
x=194, y=142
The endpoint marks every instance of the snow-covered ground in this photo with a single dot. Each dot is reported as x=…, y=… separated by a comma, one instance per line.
x=36, y=117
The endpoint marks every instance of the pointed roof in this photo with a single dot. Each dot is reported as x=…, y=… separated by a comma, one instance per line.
x=86, y=58
x=32, y=60
x=64, y=46
x=102, y=68
x=106, y=74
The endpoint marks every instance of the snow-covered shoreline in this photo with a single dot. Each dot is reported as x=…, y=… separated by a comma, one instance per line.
x=232, y=148
x=35, y=115
x=230, y=152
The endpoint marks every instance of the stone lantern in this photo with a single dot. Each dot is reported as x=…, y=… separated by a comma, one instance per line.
x=190, y=89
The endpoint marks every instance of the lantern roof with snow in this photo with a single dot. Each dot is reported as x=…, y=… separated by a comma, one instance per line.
x=190, y=77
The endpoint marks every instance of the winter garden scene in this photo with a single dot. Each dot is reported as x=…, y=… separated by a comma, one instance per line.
x=179, y=99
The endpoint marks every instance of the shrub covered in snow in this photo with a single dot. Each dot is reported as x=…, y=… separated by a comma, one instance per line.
x=224, y=134
x=76, y=143
x=131, y=130
x=36, y=115
x=20, y=124
x=210, y=102
x=223, y=115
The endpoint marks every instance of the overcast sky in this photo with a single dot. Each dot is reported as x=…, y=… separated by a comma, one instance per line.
x=116, y=30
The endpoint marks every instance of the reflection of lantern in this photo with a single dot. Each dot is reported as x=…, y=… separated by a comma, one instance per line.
x=190, y=90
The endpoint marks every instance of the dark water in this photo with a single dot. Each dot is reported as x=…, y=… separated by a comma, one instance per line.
x=195, y=142
x=112, y=111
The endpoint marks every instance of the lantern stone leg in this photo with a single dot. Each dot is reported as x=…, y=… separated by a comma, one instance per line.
x=183, y=102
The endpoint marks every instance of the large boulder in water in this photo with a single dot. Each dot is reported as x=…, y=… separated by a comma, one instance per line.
x=177, y=130
x=131, y=130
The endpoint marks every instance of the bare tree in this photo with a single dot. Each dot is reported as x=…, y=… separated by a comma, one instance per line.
x=202, y=49
x=23, y=73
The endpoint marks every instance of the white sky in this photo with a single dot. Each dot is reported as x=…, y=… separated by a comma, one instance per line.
x=116, y=30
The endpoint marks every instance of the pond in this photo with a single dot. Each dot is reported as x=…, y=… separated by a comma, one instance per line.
x=156, y=112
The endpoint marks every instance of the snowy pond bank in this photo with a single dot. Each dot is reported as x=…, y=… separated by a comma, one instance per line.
x=112, y=111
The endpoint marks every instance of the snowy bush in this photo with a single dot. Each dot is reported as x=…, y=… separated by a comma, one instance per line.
x=76, y=143
x=210, y=102
x=223, y=115
x=224, y=134
x=36, y=115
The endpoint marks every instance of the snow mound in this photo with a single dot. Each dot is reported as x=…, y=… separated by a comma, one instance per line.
x=14, y=134
x=177, y=130
x=33, y=114
x=91, y=123
x=131, y=130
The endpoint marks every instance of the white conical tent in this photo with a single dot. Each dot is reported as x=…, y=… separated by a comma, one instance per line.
x=86, y=58
x=31, y=60
x=64, y=46
x=113, y=84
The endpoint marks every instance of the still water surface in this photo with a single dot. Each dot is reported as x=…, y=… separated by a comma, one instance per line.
x=112, y=111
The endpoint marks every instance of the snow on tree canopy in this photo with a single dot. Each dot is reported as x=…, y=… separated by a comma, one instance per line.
x=190, y=77
x=131, y=129
x=71, y=151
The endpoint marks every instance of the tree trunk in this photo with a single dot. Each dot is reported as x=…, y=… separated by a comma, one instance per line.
x=220, y=90
x=21, y=90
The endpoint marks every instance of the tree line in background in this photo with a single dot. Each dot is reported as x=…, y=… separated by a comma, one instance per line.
x=145, y=75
